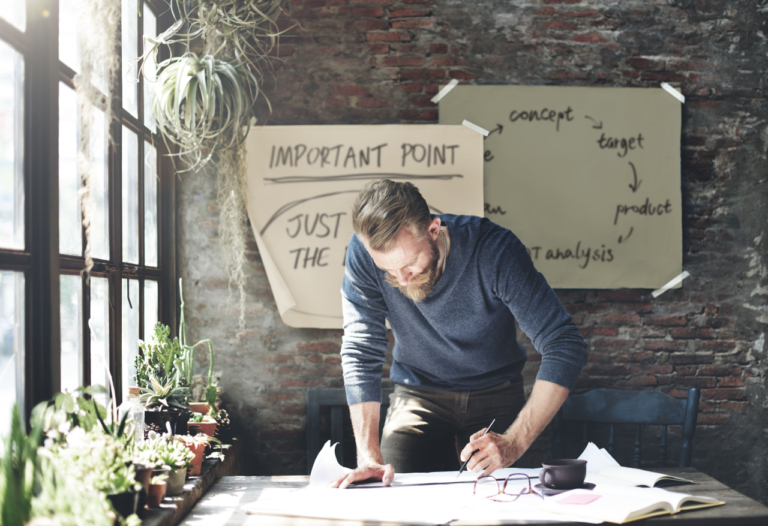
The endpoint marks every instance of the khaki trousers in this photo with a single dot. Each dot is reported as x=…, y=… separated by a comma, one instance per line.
x=425, y=430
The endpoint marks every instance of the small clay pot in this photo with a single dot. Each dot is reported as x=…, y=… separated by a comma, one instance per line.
x=156, y=494
x=209, y=428
x=198, y=450
x=143, y=474
x=175, y=482
x=199, y=407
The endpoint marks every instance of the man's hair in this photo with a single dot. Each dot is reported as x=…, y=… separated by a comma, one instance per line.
x=383, y=207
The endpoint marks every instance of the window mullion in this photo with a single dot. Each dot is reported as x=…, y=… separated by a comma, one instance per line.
x=42, y=320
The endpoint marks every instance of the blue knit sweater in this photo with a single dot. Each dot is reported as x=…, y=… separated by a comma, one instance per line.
x=462, y=337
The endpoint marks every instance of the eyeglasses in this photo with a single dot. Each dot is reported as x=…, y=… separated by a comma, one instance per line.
x=487, y=487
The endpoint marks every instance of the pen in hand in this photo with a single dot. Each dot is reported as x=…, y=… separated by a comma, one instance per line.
x=475, y=451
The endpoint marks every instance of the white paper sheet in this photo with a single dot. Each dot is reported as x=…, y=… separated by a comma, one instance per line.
x=597, y=458
x=326, y=468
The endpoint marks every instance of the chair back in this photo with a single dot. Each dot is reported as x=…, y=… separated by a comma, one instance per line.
x=337, y=400
x=639, y=408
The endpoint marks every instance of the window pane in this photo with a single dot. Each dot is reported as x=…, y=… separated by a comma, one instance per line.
x=130, y=196
x=99, y=168
x=14, y=12
x=130, y=50
x=150, y=205
x=70, y=236
x=11, y=345
x=69, y=39
x=11, y=148
x=99, y=325
x=150, y=308
x=130, y=347
x=71, y=331
x=150, y=67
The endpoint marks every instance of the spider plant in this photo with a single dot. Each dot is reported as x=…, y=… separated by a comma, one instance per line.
x=203, y=104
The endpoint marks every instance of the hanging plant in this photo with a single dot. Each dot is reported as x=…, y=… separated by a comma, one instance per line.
x=202, y=103
x=99, y=30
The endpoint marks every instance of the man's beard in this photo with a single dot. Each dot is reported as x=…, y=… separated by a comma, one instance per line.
x=420, y=286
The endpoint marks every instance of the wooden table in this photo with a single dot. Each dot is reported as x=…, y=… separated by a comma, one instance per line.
x=222, y=505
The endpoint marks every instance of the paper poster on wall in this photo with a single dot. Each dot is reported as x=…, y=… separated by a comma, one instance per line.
x=302, y=181
x=588, y=178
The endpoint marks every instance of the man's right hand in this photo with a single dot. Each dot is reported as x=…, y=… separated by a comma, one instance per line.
x=382, y=472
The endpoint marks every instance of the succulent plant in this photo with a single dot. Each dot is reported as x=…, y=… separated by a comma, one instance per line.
x=164, y=395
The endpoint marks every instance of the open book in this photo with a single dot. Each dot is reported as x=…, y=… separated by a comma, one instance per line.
x=602, y=469
x=625, y=504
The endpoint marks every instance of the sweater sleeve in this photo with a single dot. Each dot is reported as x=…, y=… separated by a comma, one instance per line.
x=538, y=311
x=364, y=343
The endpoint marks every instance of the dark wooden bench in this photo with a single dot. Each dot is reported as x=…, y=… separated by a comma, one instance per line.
x=337, y=400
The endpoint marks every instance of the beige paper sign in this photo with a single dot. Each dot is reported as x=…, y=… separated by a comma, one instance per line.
x=302, y=181
x=587, y=178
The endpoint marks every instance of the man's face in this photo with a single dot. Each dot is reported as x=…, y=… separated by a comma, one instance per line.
x=411, y=264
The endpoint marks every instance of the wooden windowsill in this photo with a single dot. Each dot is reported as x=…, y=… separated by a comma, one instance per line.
x=173, y=509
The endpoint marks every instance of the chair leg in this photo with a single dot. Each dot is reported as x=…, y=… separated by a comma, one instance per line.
x=638, y=440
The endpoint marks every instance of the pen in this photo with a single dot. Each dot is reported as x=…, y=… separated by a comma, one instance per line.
x=475, y=451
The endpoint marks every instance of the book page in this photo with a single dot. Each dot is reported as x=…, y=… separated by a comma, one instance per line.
x=640, y=477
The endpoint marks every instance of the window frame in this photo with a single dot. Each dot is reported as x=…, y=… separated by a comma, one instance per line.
x=40, y=260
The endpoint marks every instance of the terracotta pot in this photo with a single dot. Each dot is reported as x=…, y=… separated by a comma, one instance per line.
x=199, y=407
x=209, y=428
x=175, y=482
x=143, y=474
x=155, y=494
x=198, y=450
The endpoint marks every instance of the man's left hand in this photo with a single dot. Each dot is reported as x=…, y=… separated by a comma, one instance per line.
x=496, y=452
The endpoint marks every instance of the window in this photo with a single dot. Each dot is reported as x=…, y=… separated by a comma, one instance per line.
x=101, y=316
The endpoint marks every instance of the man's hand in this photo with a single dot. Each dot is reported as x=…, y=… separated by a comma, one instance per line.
x=496, y=452
x=384, y=473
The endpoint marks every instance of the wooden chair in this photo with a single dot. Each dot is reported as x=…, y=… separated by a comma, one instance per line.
x=337, y=400
x=609, y=406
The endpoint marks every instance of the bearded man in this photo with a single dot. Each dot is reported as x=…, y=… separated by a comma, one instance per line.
x=451, y=288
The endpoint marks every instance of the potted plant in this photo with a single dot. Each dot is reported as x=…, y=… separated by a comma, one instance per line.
x=156, y=492
x=196, y=444
x=163, y=451
x=200, y=423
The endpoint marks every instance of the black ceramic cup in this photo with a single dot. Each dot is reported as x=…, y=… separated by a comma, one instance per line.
x=563, y=474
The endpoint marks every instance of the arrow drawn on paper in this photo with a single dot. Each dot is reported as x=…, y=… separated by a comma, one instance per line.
x=636, y=185
x=596, y=126
x=622, y=238
x=499, y=128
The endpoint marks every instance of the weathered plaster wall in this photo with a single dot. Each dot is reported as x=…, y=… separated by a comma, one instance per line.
x=379, y=61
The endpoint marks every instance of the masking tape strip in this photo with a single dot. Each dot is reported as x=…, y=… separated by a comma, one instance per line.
x=475, y=127
x=443, y=92
x=672, y=91
x=665, y=288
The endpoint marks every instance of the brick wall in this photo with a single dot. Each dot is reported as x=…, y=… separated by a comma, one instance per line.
x=380, y=61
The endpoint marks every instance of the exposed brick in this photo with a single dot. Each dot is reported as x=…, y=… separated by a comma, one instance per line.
x=378, y=49
x=618, y=319
x=438, y=49
x=333, y=360
x=637, y=356
x=698, y=333
x=429, y=115
x=687, y=370
x=734, y=407
x=731, y=381
x=697, y=381
x=282, y=396
x=402, y=61
x=450, y=61
x=616, y=345
x=679, y=358
x=666, y=321
x=723, y=394
x=422, y=101
x=414, y=23
x=716, y=346
x=605, y=331
x=370, y=102
x=367, y=12
x=351, y=90
x=641, y=381
x=412, y=87
x=282, y=434
x=421, y=74
x=304, y=382
x=410, y=115
x=314, y=358
x=294, y=409
x=559, y=24
x=411, y=12
x=459, y=74
x=659, y=369
x=589, y=38
x=719, y=370
x=663, y=345
x=391, y=36
x=323, y=347
x=367, y=25
x=712, y=419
